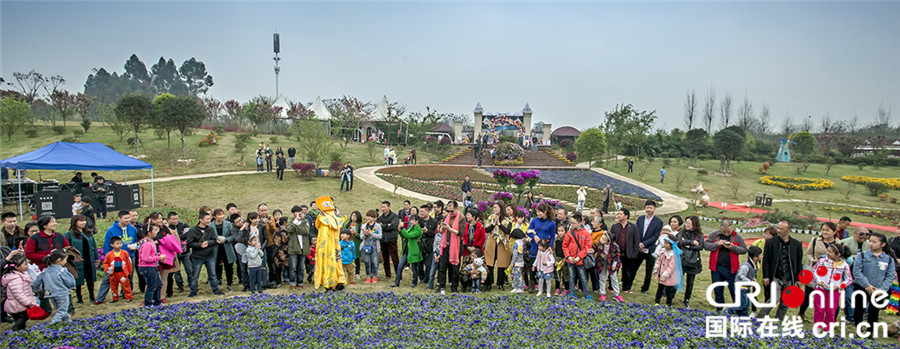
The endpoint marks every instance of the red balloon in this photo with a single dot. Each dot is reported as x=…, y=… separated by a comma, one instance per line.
x=805, y=277
x=792, y=296
x=821, y=270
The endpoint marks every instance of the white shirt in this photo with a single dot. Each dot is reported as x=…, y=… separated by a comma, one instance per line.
x=581, y=194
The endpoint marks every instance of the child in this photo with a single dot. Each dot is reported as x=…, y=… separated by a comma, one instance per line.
x=280, y=250
x=562, y=284
x=259, y=163
x=668, y=271
x=370, y=247
x=348, y=255
x=117, y=263
x=477, y=273
x=666, y=232
x=517, y=261
x=148, y=266
x=544, y=265
x=76, y=207
x=57, y=283
x=254, y=264
x=18, y=290
x=435, y=263
x=311, y=260
x=838, y=273
x=747, y=272
x=608, y=263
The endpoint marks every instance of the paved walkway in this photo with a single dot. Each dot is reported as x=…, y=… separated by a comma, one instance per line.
x=194, y=176
x=367, y=174
x=672, y=203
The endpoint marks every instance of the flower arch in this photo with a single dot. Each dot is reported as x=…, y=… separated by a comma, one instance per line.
x=501, y=119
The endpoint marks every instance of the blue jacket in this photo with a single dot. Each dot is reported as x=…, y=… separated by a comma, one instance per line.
x=128, y=235
x=875, y=271
x=545, y=229
x=649, y=239
x=56, y=281
x=348, y=252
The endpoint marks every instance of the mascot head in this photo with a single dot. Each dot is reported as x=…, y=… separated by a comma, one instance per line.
x=325, y=203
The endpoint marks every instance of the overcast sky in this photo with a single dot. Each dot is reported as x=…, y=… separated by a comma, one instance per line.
x=570, y=62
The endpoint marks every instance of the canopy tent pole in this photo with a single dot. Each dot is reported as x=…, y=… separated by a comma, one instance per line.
x=19, y=175
x=126, y=177
x=152, y=197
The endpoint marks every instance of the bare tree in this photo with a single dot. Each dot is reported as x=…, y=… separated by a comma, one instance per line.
x=807, y=124
x=725, y=110
x=765, y=120
x=745, y=114
x=709, y=109
x=884, y=115
x=52, y=84
x=827, y=124
x=29, y=83
x=690, y=110
x=787, y=126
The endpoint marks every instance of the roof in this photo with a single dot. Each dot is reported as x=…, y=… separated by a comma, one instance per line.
x=566, y=131
x=281, y=102
x=75, y=156
x=319, y=110
x=382, y=110
x=442, y=127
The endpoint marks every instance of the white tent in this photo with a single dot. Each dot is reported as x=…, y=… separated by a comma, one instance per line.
x=320, y=110
x=382, y=110
x=281, y=102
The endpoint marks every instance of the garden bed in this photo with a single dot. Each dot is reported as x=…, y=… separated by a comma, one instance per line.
x=387, y=320
x=591, y=179
x=437, y=172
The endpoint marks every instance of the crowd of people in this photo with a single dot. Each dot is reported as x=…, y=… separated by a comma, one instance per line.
x=446, y=247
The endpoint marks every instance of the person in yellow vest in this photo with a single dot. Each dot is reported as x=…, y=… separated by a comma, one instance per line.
x=329, y=271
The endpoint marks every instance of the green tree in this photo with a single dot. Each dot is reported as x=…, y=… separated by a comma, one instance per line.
x=182, y=112
x=806, y=145
x=64, y=104
x=195, y=77
x=136, y=70
x=313, y=139
x=161, y=120
x=728, y=144
x=627, y=126
x=165, y=78
x=418, y=125
x=590, y=144
x=14, y=114
x=134, y=110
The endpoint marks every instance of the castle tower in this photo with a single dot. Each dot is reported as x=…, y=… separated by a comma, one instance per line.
x=479, y=118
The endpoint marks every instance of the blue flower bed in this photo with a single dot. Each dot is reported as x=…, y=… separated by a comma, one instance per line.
x=590, y=179
x=387, y=320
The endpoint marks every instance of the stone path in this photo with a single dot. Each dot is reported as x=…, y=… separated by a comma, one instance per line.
x=195, y=176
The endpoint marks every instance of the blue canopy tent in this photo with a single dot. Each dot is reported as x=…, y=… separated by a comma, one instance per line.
x=76, y=157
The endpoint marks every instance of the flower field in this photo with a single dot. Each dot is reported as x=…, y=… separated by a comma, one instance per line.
x=387, y=320
x=591, y=179
x=445, y=191
x=797, y=183
x=894, y=183
x=887, y=215
x=433, y=172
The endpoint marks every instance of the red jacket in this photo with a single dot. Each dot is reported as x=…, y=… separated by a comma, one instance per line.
x=479, y=239
x=570, y=248
x=39, y=246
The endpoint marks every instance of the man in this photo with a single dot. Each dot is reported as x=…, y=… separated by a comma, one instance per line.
x=412, y=157
x=426, y=242
x=77, y=178
x=466, y=188
x=389, y=232
x=12, y=232
x=268, y=153
x=630, y=165
x=576, y=246
x=607, y=195
x=662, y=174
x=403, y=213
x=346, y=174
x=291, y=154
x=298, y=245
x=88, y=212
x=312, y=214
x=350, y=171
x=225, y=255
x=202, y=241
x=123, y=229
x=181, y=230
x=842, y=226
x=94, y=176
x=437, y=210
x=859, y=242
x=781, y=265
x=650, y=226
x=562, y=218
x=480, y=154
x=232, y=209
x=100, y=189
x=625, y=234
x=280, y=165
x=267, y=242
x=726, y=246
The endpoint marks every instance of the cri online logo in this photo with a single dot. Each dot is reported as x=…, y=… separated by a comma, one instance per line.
x=792, y=296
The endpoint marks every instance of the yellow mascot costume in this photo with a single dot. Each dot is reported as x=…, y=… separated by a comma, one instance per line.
x=329, y=271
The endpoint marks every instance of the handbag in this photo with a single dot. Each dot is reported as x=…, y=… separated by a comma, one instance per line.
x=36, y=313
x=367, y=249
x=589, y=262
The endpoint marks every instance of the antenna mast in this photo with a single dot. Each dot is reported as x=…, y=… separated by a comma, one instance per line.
x=277, y=38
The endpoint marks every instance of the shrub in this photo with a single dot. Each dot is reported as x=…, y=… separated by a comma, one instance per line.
x=335, y=157
x=445, y=141
x=335, y=167
x=430, y=139
x=59, y=129
x=31, y=133
x=160, y=133
x=304, y=168
x=794, y=218
x=702, y=172
x=69, y=140
x=508, y=139
x=509, y=151
x=566, y=143
x=877, y=188
x=243, y=137
x=86, y=124
x=288, y=134
x=571, y=156
x=77, y=132
x=219, y=129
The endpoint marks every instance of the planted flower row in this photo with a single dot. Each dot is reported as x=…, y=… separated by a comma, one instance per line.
x=797, y=183
x=591, y=179
x=436, y=172
x=388, y=320
x=894, y=183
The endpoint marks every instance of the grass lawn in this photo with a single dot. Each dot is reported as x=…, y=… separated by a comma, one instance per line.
x=746, y=184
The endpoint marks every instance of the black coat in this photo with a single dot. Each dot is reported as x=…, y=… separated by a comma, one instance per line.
x=195, y=238
x=772, y=258
x=690, y=255
x=389, y=225
x=280, y=163
x=426, y=242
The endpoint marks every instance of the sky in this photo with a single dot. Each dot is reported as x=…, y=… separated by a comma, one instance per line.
x=571, y=62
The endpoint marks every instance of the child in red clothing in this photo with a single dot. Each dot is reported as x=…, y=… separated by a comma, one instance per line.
x=117, y=263
x=311, y=260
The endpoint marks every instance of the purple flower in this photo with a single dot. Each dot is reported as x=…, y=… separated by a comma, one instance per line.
x=519, y=179
x=502, y=195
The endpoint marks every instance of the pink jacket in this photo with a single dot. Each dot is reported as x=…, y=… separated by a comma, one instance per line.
x=545, y=262
x=169, y=246
x=665, y=269
x=18, y=292
x=147, y=255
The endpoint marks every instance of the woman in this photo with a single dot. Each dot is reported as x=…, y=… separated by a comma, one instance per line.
x=675, y=222
x=40, y=245
x=690, y=240
x=496, y=254
x=329, y=271
x=355, y=223
x=542, y=227
x=817, y=248
x=404, y=255
x=873, y=272
x=249, y=228
x=769, y=233
x=79, y=235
